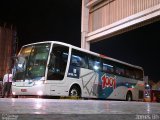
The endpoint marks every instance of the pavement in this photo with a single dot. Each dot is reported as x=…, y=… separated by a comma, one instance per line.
x=65, y=109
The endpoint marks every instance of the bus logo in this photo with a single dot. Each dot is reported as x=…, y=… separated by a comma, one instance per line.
x=108, y=81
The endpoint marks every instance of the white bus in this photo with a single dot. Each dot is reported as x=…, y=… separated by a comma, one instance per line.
x=53, y=68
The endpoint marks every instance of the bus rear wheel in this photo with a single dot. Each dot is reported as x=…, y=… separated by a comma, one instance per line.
x=74, y=92
x=129, y=96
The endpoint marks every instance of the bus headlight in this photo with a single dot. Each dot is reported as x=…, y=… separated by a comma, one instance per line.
x=13, y=93
x=39, y=93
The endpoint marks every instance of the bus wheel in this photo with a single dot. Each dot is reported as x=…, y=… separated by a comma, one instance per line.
x=129, y=96
x=74, y=92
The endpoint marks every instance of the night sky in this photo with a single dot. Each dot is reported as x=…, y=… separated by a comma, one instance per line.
x=60, y=20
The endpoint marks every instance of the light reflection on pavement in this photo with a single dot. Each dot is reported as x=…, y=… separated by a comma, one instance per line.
x=60, y=106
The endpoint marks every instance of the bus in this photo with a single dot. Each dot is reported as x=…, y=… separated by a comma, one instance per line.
x=53, y=68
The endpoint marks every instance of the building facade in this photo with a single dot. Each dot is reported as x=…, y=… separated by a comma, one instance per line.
x=102, y=19
x=7, y=47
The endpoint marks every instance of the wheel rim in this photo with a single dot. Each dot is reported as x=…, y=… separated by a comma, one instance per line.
x=74, y=92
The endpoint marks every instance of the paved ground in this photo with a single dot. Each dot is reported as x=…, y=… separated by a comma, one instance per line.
x=46, y=109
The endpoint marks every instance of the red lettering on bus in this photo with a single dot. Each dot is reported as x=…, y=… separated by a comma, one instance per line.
x=108, y=81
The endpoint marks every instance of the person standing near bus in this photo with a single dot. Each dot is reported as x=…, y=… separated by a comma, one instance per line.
x=7, y=83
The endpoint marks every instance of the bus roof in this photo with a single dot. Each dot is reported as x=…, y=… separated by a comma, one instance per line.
x=87, y=51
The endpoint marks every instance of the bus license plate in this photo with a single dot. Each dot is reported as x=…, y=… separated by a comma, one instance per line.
x=23, y=90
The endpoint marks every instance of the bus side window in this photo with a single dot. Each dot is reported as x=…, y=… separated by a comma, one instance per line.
x=130, y=73
x=94, y=63
x=58, y=62
x=91, y=64
x=84, y=63
x=139, y=74
x=78, y=59
x=120, y=71
x=107, y=67
x=75, y=61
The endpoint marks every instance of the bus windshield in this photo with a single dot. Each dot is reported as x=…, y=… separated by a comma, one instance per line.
x=31, y=62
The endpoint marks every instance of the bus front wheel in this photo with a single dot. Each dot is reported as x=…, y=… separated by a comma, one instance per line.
x=74, y=92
